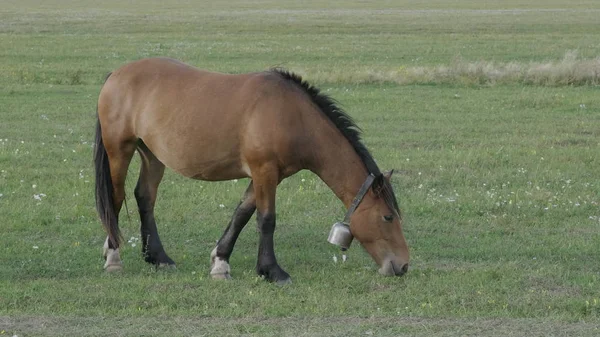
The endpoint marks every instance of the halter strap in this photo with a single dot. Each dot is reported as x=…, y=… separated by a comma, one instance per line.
x=359, y=197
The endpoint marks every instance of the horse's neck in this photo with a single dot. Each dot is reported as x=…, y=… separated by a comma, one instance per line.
x=340, y=168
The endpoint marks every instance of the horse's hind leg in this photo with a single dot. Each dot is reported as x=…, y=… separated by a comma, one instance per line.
x=119, y=156
x=151, y=173
x=219, y=257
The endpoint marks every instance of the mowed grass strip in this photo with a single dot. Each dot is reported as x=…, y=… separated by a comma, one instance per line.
x=498, y=184
x=350, y=326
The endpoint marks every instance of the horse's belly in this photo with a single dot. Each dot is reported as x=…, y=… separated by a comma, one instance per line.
x=212, y=170
x=201, y=161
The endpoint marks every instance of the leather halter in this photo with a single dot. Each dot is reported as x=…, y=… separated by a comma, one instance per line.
x=359, y=197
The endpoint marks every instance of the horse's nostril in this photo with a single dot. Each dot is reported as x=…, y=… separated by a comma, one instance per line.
x=401, y=271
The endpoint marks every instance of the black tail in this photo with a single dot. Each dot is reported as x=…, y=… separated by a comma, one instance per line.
x=104, y=189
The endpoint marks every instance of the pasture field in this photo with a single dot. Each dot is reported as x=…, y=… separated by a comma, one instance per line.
x=498, y=181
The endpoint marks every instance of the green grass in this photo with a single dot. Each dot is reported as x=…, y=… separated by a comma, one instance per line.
x=499, y=184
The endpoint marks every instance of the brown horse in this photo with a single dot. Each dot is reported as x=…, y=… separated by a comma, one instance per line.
x=210, y=126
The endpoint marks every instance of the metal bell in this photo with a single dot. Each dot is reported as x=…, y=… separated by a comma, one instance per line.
x=340, y=235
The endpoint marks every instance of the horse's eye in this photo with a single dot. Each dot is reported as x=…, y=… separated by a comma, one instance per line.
x=388, y=218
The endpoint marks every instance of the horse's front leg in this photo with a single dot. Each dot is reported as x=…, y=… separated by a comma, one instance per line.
x=265, y=184
x=219, y=257
x=267, y=265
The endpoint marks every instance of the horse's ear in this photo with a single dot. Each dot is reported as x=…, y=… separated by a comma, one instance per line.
x=378, y=184
x=388, y=175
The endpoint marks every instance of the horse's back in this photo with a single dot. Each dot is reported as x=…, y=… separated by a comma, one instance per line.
x=203, y=124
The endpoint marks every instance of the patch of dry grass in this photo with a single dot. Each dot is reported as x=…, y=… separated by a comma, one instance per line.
x=571, y=70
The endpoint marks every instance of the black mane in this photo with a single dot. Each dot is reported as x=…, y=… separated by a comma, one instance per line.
x=348, y=128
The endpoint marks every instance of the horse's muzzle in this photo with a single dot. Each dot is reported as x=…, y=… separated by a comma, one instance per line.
x=391, y=268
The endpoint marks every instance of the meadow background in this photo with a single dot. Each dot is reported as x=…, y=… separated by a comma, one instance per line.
x=489, y=112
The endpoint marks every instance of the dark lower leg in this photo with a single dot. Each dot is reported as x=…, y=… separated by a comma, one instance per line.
x=267, y=263
x=152, y=248
x=151, y=173
x=240, y=218
x=219, y=257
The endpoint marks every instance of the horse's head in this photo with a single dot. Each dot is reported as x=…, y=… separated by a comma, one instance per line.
x=377, y=224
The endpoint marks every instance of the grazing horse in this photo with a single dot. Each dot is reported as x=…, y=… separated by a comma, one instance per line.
x=265, y=126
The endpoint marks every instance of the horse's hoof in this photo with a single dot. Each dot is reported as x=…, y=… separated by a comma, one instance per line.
x=219, y=268
x=275, y=275
x=284, y=282
x=166, y=266
x=113, y=268
x=221, y=276
x=113, y=261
